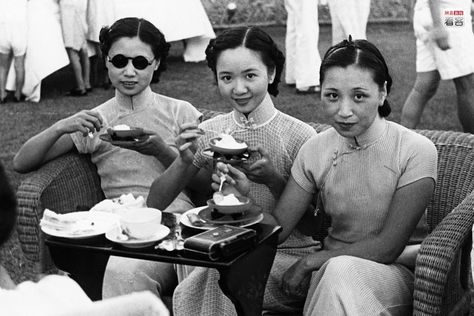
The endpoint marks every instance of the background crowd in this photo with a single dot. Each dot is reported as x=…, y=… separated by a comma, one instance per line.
x=27, y=55
x=44, y=36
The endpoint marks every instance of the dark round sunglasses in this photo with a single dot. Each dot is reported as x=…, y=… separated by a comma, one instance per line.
x=139, y=62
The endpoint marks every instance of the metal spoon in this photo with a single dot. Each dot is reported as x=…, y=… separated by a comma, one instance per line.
x=196, y=220
x=219, y=196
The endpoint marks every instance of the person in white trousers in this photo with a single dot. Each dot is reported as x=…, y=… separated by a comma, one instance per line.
x=301, y=44
x=348, y=17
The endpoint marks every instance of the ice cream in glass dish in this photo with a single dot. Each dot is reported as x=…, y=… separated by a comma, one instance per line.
x=125, y=132
x=229, y=199
x=226, y=144
x=228, y=141
x=121, y=127
x=229, y=204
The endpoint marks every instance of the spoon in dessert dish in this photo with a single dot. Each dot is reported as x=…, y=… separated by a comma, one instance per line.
x=196, y=220
x=219, y=196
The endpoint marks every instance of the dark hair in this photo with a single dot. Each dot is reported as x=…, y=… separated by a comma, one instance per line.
x=145, y=31
x=7, y=207
x=363, y=54
x=252, y=38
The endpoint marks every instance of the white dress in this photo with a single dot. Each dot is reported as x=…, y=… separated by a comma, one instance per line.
x=45, y=52
x=99, y=14
x=301, y=43
x=177, y=20
x=349, y=17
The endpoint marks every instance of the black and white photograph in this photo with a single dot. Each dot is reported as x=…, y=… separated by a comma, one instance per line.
x=236, y=157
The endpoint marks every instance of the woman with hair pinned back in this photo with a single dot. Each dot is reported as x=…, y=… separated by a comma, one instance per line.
x=247, y=65
x=135, y=52
x=374, y=178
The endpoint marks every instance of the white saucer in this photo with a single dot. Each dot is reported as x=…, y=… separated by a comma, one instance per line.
x=185, y=221
x=101, y=222
x=113, y=234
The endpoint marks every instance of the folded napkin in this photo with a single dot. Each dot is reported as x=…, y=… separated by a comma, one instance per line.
x=125, y=200
x=66, y=224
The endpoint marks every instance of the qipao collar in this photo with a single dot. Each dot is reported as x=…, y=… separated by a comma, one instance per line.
x=135, y=102
x=261, y=116
x=370, y=136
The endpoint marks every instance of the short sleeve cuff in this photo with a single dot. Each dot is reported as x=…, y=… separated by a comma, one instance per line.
x=298, y=174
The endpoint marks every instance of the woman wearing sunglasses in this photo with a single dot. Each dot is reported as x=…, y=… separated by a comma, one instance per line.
x=135, y=51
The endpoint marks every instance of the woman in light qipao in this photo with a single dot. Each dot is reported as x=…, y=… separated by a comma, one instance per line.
x=135, y=52
x=247, y=66
x=374, y=179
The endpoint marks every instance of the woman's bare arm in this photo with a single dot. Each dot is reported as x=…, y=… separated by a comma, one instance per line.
x=55, y=140
x=292, y=205
x=406, y=209
x=166, y=187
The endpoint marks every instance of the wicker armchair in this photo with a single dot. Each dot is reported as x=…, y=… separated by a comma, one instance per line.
x=442, y=271
x=442, y=268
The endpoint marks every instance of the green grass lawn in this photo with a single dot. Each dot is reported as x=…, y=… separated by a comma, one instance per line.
x=195, y=83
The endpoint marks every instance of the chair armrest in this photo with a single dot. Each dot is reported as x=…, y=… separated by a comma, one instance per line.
x=441, y=265
x=63, y=185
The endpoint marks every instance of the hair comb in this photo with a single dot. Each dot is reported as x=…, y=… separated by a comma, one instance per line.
x=349, y=42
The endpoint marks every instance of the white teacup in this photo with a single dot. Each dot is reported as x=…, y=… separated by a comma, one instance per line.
x=140, y=223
